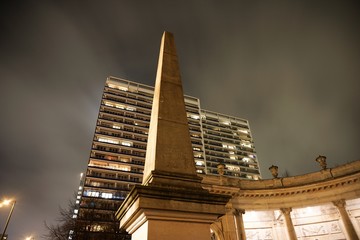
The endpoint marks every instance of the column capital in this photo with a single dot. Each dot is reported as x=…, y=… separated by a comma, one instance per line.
x=286, y=211
x=339, y=203
x=238, y=212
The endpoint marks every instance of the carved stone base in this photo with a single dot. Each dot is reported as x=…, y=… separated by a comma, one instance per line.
x=151, y=212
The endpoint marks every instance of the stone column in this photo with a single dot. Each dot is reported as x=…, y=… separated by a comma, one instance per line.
x=232, y=224
x=239, y=223
x=289, y=224
x=349, y=227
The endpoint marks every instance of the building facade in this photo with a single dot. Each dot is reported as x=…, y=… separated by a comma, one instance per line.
x=117, y=155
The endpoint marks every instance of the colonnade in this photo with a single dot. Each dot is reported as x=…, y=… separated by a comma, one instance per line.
x=231, y=225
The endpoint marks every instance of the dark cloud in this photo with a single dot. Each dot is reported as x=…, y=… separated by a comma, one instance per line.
x=291, y=68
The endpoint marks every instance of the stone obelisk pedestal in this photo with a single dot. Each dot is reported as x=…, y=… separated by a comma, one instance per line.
x=170, y=203
x=152, y=213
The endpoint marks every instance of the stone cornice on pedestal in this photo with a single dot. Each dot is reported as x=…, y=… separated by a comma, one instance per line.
x=158, y=203
x=327, y=185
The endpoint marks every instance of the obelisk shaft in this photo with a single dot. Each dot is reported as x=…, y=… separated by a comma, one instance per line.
x=169, y=148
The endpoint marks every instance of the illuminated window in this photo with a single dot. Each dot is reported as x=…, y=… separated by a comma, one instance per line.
x=225, y=122
x=233, y=168
x=77, y=201
x=106, y=195
x=243, y=131
x=246, y=144
x=199, y=171
x=119, y=106
x=233, y=157
x=116, y=126
x=124, y=168
x=125, y=159
x=110, y=157
x=128, y=144
x=76, y=211
x=228, y=146
x=196, y=149
x=95, y=184
x=198, y=163
x=123, y=89
x=130, y=109
x=109, y=104
x=107, y=140
x=96, y=228
x=193, y=116
x=92, y=193
x=245, y=159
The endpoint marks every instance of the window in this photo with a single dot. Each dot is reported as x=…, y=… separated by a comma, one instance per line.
x=129, y=144
x=106, y=195
x=194, y=116
x=228, y=146
x=243, y=131
x=233, y=168
x=131, y=109
x=124, y=168
x=109, y=104
x=119, y=106
x=107, y=140
x=199, y=163
x=90, y=193
x=246, y=144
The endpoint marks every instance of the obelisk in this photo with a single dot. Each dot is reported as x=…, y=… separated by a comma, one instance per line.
x=169, y=150
x=170, y=203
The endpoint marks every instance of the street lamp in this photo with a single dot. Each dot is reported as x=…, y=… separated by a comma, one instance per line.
x=5, y=203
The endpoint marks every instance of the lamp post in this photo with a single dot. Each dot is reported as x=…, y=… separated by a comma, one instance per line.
x=7, y=202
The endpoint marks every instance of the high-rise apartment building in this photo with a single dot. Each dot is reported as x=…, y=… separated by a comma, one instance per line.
x=118, y=151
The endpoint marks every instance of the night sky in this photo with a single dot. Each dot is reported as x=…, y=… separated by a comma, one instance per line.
x=290, y=67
